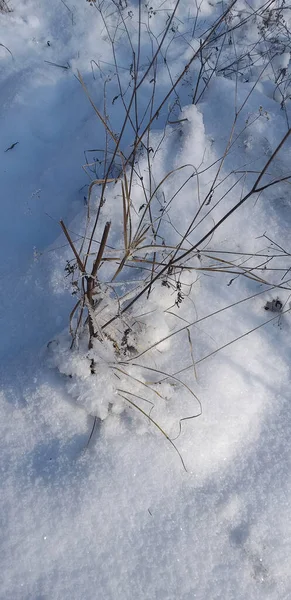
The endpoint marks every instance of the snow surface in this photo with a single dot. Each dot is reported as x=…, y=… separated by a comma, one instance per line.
x=120, y=518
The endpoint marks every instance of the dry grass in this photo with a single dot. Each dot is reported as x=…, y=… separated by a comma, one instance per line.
x=142, y=246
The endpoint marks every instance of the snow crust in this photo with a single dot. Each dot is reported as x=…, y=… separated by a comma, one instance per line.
x=114, y=515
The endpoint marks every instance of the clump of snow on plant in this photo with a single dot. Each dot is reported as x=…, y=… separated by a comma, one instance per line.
x=101, y=379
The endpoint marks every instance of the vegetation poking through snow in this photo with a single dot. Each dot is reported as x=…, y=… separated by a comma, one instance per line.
x=137, y=266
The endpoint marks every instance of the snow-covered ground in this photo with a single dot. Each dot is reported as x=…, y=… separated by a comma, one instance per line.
x=115, y=515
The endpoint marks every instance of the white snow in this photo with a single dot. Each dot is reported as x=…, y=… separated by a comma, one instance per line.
x=95, y=499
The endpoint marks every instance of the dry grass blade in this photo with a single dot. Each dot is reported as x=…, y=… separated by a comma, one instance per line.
x=238, y=270
x=72, y=315
x=76, y=254
x=101, y=249
x=125, y=217
x=139, y=381
x=126, y=196
x=95, y=330
x=168, y=376
x=92, y=432
x=119, y=390
x=157, y=426
x=186, y=419
x=120, y=267
x=192, y=352
x=3, y=46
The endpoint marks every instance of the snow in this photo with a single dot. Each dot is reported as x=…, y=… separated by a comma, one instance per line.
x=96, y=500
